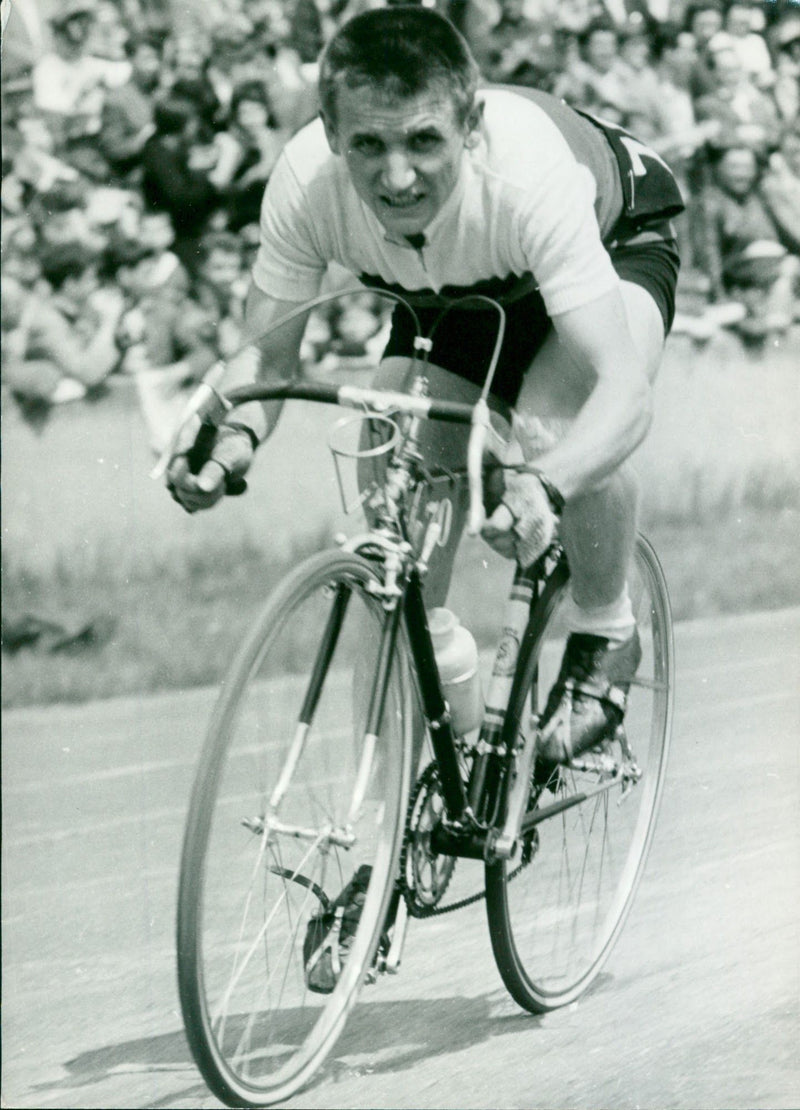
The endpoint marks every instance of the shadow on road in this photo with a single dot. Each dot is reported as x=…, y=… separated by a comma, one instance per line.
x=380, y=1038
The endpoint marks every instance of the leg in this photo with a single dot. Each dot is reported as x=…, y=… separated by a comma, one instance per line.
x=598, y=528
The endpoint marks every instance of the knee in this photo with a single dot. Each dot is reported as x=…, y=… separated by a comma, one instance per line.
x=620, y=489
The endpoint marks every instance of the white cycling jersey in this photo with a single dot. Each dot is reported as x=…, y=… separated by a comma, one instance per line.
x=524, y=206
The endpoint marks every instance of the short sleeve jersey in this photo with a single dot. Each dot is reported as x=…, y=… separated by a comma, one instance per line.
x=528, y=204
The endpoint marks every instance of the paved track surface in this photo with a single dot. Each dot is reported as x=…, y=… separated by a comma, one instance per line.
x=699, y=1005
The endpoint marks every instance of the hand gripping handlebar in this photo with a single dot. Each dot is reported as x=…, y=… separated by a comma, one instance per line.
x=212, y=407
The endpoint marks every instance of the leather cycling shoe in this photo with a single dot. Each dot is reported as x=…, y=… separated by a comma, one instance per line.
x=588, y=700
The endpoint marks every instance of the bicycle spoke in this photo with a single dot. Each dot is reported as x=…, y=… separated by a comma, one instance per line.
x=290, y=801
x=554, y=926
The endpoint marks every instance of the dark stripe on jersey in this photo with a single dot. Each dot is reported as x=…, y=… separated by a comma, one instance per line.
x=505, y=290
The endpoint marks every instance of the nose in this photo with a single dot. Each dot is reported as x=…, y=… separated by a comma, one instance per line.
x=398, y=173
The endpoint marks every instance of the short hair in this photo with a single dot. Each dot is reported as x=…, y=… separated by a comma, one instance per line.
x=251, y=90
x=150, y=38
x=601, y=24
x=60, y=261
x=226, y=241
x=698, y=6
x=402, y=51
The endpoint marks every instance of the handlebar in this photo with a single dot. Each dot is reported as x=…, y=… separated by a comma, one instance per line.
x=212, y=407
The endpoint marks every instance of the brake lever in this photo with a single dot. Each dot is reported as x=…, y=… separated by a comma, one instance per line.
x=207, y=403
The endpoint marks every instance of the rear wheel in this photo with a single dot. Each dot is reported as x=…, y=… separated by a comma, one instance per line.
x=291, y=799
x=553, y=925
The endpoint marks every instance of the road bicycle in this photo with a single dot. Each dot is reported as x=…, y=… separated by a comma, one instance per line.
x=331, y=759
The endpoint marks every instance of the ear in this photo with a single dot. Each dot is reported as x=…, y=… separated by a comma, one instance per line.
x=472, y=125
x=330, y=133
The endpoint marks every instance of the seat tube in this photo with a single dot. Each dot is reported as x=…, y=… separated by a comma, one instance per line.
x=436, y=712
x=488, y=768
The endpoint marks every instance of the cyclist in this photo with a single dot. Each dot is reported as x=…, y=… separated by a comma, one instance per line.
x=417, y=180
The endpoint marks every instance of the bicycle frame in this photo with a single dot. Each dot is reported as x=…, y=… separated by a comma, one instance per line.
x=484, y=817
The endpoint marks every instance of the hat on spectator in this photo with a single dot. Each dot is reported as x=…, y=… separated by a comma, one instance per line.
x=69, y=9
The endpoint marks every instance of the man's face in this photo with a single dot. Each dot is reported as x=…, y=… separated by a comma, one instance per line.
x=737, y=171
x=76, y=29
x=601, y=50
x=706, y=23
x=404, y=156
x=155, y=231
x=222, y=268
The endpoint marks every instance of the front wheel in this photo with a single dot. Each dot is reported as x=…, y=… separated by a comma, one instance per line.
x=292, y=798
x=554, y=922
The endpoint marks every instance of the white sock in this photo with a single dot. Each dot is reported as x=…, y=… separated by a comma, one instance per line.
x=615, y=621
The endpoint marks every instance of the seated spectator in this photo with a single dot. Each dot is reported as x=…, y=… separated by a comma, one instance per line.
x=536, y=61
x=230, y=60
x=290, y=81
x=166, y=337
x=21, y=252
x=187, y=76
x=678, y=136
x=780, y=187
x=786, y=90
x=221, y=289
x=594, y=80
x=744, y=112
x=305, y=34
x=30, y=144
x=259, y=142
x=499, y=49
x=750, y=47
x=704, y=20
x=172, y=180
x=742, y=250
x=127, y=120
x=61, y=347
x=639, y=80
x=60, y=216
x=69, y=86
x=109, y=36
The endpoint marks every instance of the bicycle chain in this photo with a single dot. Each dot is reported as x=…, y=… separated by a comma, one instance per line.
x=429, y=780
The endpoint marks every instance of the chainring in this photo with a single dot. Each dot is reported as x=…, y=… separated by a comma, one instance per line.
x=425, y=874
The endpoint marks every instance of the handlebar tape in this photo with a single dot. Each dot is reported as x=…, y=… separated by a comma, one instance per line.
x=200, y=452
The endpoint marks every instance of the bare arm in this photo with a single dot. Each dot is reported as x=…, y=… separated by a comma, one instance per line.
x=267, y=358
x=616, y=413
x=270, y=358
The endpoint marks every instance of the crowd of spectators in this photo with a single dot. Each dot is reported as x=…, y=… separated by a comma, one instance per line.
x=137, y=144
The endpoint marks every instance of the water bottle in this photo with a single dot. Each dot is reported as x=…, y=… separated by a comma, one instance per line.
x=457, y=659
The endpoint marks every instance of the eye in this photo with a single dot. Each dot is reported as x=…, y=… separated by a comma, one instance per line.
x=368, y=145
x=424, y=142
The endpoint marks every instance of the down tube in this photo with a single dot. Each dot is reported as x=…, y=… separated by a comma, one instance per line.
x=436, y=712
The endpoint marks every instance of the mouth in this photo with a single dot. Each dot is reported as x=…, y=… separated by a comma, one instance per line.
x=405, y=203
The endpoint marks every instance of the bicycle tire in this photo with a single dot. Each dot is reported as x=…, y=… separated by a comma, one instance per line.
x=256, y=1031
x=554, y=926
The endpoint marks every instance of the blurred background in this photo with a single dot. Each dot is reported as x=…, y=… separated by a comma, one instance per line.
x=138, y=136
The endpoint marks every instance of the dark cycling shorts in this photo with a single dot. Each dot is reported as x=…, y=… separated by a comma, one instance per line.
x=464, y=338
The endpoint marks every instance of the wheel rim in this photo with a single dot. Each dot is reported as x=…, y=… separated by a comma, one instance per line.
x=255, y=863
x=565, y=910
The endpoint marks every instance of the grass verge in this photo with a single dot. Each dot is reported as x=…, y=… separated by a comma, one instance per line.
x=178, y=623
